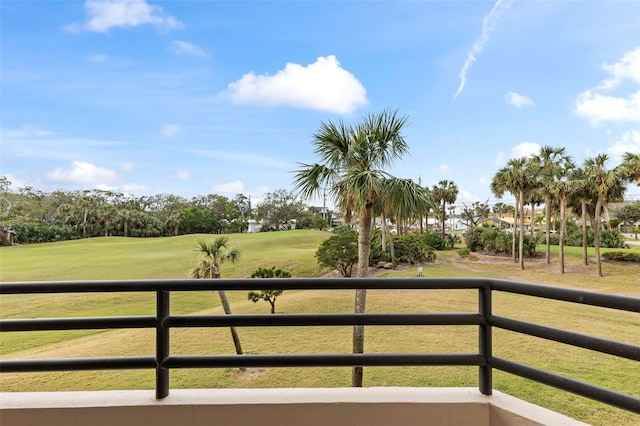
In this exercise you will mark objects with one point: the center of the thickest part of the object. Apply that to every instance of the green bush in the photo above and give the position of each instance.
(464, 252)
(412, 249)
(473, 239)
(624, 256)
(339, 252)
(612, 239)
(433, 240)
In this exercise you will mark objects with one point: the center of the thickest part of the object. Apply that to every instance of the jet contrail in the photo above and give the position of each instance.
(488, 24)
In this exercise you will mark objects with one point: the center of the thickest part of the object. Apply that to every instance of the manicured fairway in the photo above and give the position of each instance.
(118, 258)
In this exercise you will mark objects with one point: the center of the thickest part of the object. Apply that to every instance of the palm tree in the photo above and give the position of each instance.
(351, 168)
(106, 213)
(174, 221)
(607, 183)
(561, 188)
(445, 192)
(215, 254)
(630, 167)
(515, 178)
(85, 203)
(550, 161)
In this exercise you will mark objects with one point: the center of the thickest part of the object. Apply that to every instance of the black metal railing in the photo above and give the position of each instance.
(484, 359)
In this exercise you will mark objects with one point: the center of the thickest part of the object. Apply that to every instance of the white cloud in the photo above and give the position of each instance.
(323, 85)
(525, 149)
(126, 167)
(466, 196)
(489, 24)
(235, 187)
(83, 173)
(626, 68)
(98, 58)
(517, 100)
(628, 142)
(598, 107)
(170, 130)
(102, 15)
(179, 47)
(182, 175)
(444, 168)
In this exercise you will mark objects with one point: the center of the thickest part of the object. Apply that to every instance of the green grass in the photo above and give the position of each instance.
(118, 258)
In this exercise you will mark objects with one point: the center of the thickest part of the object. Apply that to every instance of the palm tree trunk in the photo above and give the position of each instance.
(364, 248)
(513, 233)
(547, 228)
(563, 228)
(521, 248)
(533, 217)
(227, 310)
(444, 203)
(596, 235)
(585, 240)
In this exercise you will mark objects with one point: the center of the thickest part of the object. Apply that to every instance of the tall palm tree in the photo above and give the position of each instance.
(515, 178)
(215, 254)
(351, 168)
(445, 192)
(85, 203)
(550, 162)
(630, 167)
(561, 188)
(106, 213)
(607, 183)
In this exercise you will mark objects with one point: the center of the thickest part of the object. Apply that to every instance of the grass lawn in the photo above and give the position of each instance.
(119, 258)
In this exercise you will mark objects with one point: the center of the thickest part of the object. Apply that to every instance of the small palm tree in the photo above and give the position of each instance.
(630, 167)
(215, 254)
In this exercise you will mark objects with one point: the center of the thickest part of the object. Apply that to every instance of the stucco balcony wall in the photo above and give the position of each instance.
(276, 407)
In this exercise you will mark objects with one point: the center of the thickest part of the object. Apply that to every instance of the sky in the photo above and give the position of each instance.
(197, 97)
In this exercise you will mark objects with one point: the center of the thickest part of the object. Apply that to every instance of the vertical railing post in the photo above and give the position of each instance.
(485, 341)
(162, 343)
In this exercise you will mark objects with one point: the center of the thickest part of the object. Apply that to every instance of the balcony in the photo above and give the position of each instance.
(388, 405)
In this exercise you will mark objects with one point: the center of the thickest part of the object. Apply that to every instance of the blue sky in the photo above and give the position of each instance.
(198, 97)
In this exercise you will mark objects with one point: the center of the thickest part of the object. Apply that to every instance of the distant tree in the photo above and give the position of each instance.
(628, 213)
(445, 192)
(216, 253)
(607, 183)
(105, 214)
(268, 295)
(630, 167)
(278, 208)
(474, 214)
(635, 230)
(339, 252)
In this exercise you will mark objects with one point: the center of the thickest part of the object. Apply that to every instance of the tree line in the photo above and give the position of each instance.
(36, 216)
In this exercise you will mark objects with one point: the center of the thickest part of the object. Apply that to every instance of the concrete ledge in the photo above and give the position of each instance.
(277, 407)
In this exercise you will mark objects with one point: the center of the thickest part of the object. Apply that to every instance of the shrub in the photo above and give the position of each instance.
(339, 252)
(624, 256)
(412, 249)
(612, 239)
(433, 240)
(464, 252)
(473, 239)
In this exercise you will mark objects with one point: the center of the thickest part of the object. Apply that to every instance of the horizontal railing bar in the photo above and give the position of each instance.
(611, 347)
(597, 393)
(77, 364)
(322, 360)
(84, 323)
(613, 301)
(242, 284)
(322, 320)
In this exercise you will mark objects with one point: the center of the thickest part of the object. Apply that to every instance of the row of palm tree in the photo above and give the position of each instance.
(553, 177)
